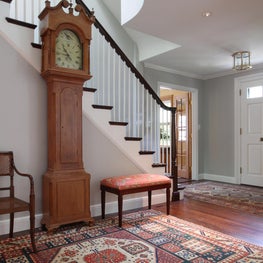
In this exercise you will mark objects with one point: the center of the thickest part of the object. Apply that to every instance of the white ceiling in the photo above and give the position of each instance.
(204, 44)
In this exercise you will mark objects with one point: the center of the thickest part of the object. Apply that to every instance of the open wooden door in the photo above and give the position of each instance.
(183, 134)
(183, 102)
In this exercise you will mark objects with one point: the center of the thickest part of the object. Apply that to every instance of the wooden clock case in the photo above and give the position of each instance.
(66, 185)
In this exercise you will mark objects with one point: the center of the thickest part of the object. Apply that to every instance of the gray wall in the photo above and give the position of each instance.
(219, 119)
(216, 119)
(218, 128)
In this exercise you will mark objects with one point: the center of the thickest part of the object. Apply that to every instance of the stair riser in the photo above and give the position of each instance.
(116, 134)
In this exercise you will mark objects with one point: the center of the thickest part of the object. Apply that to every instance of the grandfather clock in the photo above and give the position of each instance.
(66, 39)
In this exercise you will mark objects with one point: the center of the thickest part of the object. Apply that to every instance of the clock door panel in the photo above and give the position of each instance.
(71, 195)
(69, 123)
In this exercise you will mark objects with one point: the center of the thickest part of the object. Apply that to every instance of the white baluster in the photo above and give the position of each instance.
(119, 88)
(108, 67)
(138, 97)
(114, 84)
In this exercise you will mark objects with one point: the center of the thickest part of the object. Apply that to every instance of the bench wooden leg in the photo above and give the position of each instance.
(120, 201)
(149, 199)
(168, 201)
(102, 204)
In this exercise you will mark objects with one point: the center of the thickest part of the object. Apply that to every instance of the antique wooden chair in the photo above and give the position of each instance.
(9, 204)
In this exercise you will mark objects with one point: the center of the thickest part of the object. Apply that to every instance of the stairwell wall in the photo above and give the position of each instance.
(23, 118)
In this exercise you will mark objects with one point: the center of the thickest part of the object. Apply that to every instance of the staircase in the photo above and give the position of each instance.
(128, 117)
(116, 132)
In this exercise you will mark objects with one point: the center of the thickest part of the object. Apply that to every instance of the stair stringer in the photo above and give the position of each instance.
(100, 119)
(19, 38)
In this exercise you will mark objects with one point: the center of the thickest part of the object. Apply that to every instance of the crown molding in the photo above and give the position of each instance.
(201, 77)
(173, 71)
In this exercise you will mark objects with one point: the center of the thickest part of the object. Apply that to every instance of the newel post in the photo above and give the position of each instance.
(174, 174)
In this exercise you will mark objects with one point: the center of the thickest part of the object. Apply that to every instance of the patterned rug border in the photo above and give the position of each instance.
(75, 234)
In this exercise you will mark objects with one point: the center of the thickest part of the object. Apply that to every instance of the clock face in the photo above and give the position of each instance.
(68, 50)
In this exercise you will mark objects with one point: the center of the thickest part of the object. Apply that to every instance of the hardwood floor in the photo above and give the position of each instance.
(247, 227)
(244, 226)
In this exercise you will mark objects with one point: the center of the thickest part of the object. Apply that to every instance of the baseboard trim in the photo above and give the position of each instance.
(219, 178)
(129, 204)
(22, 223)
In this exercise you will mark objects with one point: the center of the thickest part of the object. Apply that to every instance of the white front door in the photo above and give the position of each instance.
(252, 133)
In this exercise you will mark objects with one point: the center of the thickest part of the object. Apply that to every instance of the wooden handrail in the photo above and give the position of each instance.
(129, 64)
(114, 45)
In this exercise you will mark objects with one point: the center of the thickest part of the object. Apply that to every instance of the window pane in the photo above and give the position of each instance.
(254, 92)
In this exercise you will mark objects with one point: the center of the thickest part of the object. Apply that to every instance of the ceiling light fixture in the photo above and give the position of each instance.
(241, 60)
(206, 14)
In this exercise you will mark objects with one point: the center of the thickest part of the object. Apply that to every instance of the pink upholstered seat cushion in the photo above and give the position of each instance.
(135, 181)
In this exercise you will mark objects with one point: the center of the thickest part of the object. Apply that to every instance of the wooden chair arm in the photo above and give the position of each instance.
(29, 176)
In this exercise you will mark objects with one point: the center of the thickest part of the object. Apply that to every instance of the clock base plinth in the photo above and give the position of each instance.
(66, 198)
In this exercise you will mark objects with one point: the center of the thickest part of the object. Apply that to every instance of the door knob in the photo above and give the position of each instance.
(261, 139)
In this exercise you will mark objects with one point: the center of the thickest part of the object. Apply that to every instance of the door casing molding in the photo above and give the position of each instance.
(195, 172)
(238, 82)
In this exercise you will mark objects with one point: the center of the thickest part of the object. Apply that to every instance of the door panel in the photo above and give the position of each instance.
(182, 135)
(252, 132)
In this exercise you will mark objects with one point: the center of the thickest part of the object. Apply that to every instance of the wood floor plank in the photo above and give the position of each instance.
(245, 226)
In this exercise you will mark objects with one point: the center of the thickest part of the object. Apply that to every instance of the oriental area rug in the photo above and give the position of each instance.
(244, 198)
(146, 236)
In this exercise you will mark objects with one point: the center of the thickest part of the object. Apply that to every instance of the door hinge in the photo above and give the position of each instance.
(240, 170)
(240, 131)
(240, 92)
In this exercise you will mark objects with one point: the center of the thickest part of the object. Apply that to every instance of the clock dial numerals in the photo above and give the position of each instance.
(68, 50)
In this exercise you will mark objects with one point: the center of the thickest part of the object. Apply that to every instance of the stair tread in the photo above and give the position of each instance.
(20, 23)
(158, 164)
(104, 107)
(146, 152)
(133, 138)
(89, 89)
(118, 123)
(36, 45)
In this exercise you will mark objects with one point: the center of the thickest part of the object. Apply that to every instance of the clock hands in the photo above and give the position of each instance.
(67, 53)
(68, 36)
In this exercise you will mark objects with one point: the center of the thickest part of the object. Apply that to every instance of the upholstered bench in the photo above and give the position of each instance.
(129, 184)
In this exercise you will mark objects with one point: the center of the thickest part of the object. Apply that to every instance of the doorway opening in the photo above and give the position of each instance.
(182, 100)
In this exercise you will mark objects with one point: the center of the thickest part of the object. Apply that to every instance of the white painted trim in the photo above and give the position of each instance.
(195, 123)
(219, 178)
(237, 123)
(128, 204)
(198, 76)
(238, 82)
(173, 71)
(22, 223)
